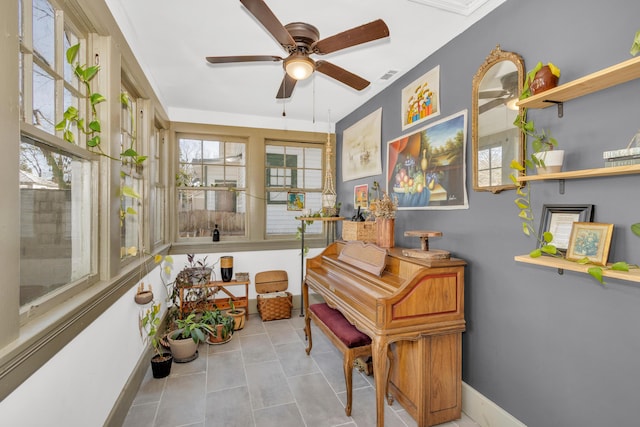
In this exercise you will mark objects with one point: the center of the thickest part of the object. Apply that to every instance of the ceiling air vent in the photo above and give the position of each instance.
(461, 7)
(389, 74)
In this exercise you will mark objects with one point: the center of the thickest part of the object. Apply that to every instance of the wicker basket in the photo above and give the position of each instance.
(276, 307)
(359, 230)
(274, 302)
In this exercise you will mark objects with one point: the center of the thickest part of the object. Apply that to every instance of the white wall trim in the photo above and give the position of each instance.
(484, 411)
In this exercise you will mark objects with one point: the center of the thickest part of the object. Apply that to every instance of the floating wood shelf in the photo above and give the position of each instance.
(603, 79)
(584, 173)
(562, 264)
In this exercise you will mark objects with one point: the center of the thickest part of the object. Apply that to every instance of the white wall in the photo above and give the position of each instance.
(80, 384)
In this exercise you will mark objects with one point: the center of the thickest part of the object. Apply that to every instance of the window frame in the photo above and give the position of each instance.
(26, 346)
(257, 238)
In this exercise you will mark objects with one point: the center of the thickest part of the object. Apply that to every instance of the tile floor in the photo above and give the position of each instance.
(263, 378)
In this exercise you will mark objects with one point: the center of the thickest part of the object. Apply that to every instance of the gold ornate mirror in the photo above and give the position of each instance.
(495, 140)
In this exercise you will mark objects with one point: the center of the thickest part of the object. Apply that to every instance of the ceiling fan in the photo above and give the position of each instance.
(502, 96)
(300, 40)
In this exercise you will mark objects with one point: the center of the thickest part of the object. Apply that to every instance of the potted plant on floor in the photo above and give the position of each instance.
(161, 360)
(184, 340)
(238, 315)
(220, 326)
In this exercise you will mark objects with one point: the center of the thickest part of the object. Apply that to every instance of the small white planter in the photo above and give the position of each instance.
(552, 159)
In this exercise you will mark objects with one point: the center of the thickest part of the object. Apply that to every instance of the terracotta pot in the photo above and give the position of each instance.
(543, 80)
(385, 231)
(217, 338)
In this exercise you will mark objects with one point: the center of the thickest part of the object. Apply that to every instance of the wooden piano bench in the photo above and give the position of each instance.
(347, 338)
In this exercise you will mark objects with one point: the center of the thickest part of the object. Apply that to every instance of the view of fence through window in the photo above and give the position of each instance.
(55, 220)
(211, 183)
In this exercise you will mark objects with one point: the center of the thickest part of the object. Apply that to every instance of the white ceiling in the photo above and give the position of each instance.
(172, 38)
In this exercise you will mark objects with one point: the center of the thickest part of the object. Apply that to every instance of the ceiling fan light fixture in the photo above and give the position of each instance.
(299, 66)
(512, 103)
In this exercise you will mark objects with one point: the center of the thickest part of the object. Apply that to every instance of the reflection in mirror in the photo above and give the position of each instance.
(495, 140)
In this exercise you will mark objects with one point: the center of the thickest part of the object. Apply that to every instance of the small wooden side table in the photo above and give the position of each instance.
(239, 301)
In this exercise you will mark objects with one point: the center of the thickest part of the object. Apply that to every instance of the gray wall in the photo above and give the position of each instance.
(553, 350)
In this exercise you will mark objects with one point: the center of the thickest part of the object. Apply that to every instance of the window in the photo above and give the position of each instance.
(211, 183)
(131, 180)
(158, 187)
(58, 201)
(490, 166)
(292, 168)
(56, 223)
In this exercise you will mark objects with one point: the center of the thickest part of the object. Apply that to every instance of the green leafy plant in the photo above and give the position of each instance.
(71, 116)
(190, 327)
(635, 46)
(541, 141)
(151, 324)
(215, 317)
(232, 307)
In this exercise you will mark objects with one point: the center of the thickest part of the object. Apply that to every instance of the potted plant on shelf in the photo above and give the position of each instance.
(196, 272)
(544, 157)
(238, 315)
(184, 340)
(384, 210)
(542, 144)
(161, 360)
(220, 326)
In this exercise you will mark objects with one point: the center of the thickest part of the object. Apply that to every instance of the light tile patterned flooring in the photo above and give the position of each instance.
(263, 378)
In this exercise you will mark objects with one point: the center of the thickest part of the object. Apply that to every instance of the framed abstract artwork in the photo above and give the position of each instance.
(421, 99)
(361, 144)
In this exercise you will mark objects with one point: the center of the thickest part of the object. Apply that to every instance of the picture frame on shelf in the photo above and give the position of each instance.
(558, 220)
(361, 196)
(590, 240)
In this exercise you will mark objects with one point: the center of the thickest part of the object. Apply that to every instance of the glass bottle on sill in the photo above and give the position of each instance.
(216, 233)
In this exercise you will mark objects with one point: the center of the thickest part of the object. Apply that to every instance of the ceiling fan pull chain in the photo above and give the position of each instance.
(313, 106)
(284, 90)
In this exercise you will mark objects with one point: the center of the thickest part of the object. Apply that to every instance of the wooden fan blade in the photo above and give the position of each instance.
(490, 94)
(261, 11)
(490, 105)
(286, 87)
(245, 58)
(341, 75)
(355, 36)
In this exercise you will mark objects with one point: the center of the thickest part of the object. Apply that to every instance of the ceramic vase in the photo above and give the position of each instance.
(385, 230)
(543, 80)
(553, 160)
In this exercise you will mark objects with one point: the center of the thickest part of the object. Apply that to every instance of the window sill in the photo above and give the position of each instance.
(43, 336)
(245, 246)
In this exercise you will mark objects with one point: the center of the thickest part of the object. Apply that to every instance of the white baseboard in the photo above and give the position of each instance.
(485, 412)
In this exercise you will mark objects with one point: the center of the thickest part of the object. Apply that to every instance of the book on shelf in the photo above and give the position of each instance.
(623, 152)
(622, 161)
